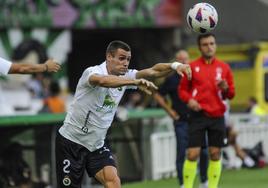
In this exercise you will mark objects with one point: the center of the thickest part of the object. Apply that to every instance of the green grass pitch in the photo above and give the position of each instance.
(245, 178)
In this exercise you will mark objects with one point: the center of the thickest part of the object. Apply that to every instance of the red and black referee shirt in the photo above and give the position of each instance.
(204, 86)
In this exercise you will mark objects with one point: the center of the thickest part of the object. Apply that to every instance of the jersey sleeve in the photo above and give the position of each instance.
(89, 72)
(131, 74)
(4, 66)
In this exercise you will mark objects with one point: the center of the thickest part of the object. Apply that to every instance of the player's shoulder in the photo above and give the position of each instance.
(96, 68)
(131, 71)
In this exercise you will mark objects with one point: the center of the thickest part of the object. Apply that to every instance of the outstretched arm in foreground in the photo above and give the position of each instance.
(27, 68)
(112, 81)
(164, 69)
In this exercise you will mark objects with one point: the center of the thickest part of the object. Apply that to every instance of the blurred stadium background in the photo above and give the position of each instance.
(76, 33)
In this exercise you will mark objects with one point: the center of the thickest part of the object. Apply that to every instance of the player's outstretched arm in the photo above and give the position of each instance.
(164, 69)
(112, 81)
(146, 86)
(28, 68)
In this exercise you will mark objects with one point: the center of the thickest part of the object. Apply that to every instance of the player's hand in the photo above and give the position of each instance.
(146, 86)
(174, 115)
(194, 105)
(185, 68)
(223, 85)
(52, 65)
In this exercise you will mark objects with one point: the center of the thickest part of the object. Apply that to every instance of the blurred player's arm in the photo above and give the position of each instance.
(112, 81)
(162, 102)
(28, 68)
(164, 69)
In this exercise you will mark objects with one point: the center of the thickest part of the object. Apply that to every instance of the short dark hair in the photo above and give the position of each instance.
(206, 35)
(116, 44)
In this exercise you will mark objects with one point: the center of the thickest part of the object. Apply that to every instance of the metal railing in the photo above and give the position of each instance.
(251, 130)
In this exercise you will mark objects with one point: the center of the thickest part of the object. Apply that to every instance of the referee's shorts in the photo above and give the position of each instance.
(201, 125)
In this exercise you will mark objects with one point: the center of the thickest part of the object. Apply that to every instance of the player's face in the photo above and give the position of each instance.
(118, 62)
(208, 47)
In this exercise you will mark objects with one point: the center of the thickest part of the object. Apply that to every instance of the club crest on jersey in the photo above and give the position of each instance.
(197, 69)
(107, 103)
(66, 181)
(218, 70)
(218, 73)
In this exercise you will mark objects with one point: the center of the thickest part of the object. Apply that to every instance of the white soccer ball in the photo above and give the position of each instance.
(202, 18)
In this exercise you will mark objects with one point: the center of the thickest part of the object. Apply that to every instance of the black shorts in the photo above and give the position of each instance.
(73, 159)
(200, 126)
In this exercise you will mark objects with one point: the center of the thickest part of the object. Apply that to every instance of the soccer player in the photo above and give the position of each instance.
(179, 113)
(212, 82)
(7, 67)
(80, 142)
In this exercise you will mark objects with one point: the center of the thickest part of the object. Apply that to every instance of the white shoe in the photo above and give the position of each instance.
(181, 186)
(249, 162)
(204, 185)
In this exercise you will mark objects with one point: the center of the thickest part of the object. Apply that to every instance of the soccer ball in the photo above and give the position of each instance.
(202, 18)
